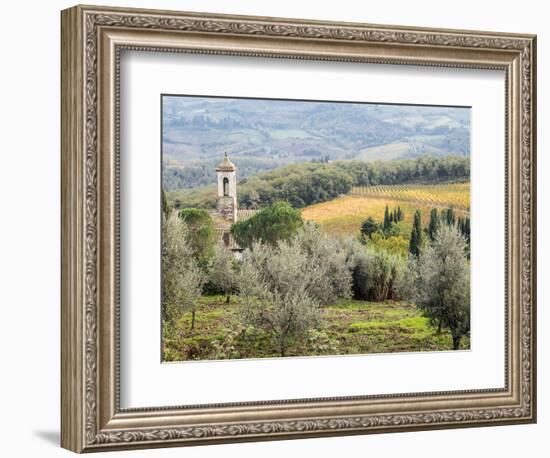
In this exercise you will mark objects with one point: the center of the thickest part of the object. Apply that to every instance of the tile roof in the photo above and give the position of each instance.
(226, 165)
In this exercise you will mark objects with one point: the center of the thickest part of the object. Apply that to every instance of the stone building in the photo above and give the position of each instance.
(227, 190)
(227, 212)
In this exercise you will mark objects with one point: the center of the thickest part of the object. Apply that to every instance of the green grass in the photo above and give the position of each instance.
(289, 133)
(351, 327)
(397, 150)
(384, 152)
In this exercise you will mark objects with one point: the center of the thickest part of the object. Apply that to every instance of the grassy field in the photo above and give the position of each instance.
(344, 215)
(396, 150)
(350, 327)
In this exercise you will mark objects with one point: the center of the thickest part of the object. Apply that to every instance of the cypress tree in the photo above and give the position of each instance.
(450, 217)
(387, 223)
(434, 223)
(165, 206)
(464, 227)
(416, 234)
(467, 229)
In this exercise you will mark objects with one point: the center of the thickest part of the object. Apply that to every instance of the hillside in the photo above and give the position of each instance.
(262, 135)
(456, 195)
(344, 215)
(311, 183)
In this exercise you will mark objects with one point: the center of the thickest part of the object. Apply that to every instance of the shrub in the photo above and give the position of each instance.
(369, 227)
(377, 274)
(403, 283)
(320, 343)
(393, 244)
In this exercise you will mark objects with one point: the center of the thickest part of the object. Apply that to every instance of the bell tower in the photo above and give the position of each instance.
(227, 189)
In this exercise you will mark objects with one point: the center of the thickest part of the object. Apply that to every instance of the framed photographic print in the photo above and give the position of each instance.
(277, 228)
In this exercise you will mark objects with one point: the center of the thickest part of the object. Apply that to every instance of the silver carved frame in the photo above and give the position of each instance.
(92, 40)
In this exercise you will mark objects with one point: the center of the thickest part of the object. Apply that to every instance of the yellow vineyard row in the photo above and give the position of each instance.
(455, 195)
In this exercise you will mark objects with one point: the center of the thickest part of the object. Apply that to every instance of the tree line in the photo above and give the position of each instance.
(310, 183)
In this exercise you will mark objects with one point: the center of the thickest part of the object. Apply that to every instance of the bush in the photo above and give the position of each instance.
(394, 244)
(378, 275)
(380, 270)
(369, 227)
(319, 343)
(403, 282)
(358, 264)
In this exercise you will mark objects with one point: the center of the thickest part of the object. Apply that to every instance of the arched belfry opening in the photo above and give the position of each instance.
(227, 189)
(226, 186)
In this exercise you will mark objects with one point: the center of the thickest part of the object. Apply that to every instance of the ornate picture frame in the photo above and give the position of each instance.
(92, 41)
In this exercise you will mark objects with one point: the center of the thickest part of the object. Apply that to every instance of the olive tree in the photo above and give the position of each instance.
(443, 282)
(403, 279)
(182, 278)
(275, 300)
(327, 275)
(222, 271)
(283, 287)
(309, 261)
(288, 318)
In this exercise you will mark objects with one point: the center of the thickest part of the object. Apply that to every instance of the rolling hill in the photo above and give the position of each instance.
(263, 134)
(344, 215)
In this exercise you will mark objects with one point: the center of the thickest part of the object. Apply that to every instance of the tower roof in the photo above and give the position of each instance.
(226, 165)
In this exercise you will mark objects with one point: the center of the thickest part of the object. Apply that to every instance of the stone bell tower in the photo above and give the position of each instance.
(227, 189)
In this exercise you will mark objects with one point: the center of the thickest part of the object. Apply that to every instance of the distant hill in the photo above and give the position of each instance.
(262, 135)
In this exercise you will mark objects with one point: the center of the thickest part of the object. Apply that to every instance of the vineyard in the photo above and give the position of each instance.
(456, 195)
(344, 215)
